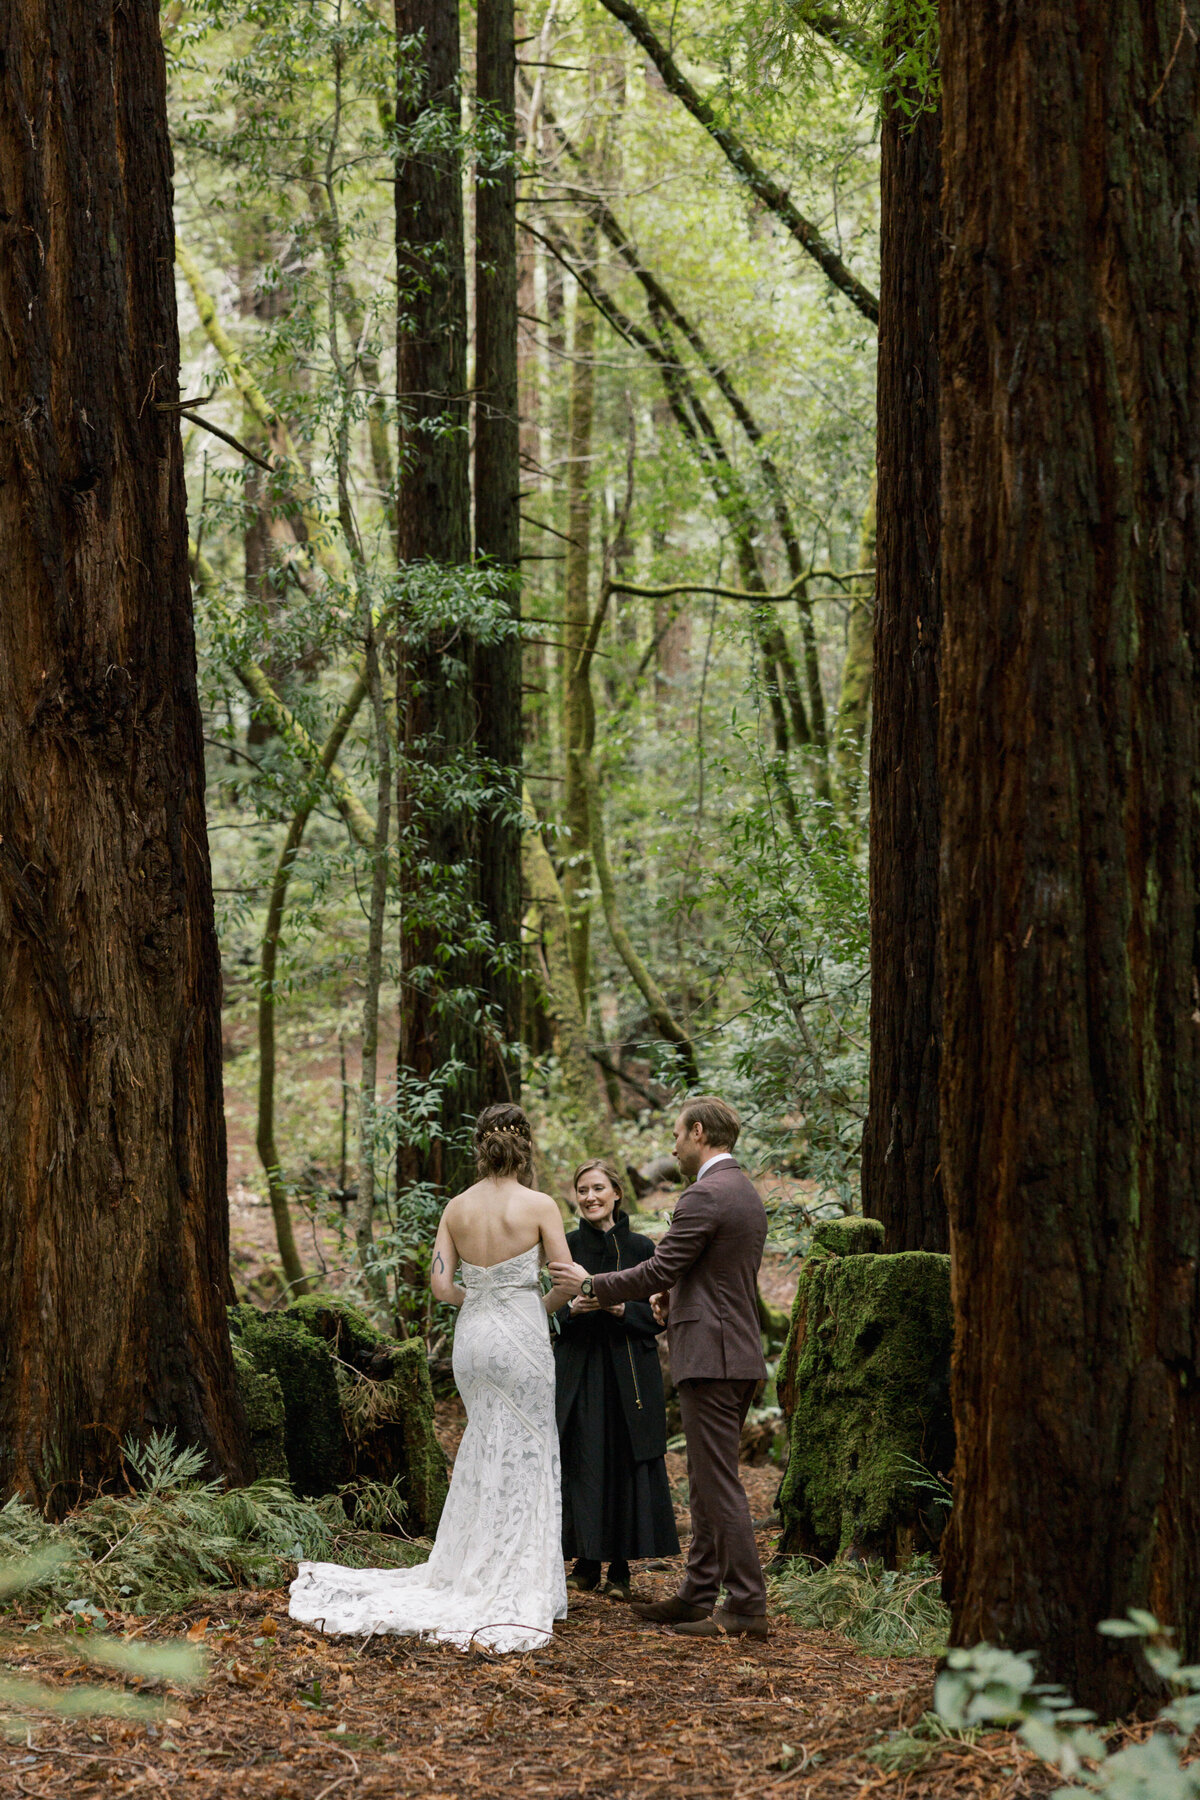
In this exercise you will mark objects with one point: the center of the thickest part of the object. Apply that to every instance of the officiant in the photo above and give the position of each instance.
(616, 1501)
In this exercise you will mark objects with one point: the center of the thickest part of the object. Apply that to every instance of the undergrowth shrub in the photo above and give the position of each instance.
(986, 1690)
(885, 1612)
(173, 1535)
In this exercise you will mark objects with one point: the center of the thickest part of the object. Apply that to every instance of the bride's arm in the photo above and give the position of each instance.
(554, 1249)
(442, 1268)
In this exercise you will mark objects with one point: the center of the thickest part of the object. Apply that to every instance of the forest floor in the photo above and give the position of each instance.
(611, 1710)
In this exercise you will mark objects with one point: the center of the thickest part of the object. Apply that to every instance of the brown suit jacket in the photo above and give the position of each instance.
(710, 1260)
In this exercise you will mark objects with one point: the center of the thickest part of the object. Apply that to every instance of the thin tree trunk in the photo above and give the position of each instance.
(364, 1208)
(578, 717)
(435, 702)
(582, 1089)
(497, 521)
(901, 1182)
(1069, 763)
(113, 1213)
(268, 1149)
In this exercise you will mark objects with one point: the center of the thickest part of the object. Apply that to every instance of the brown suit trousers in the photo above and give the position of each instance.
(722, 1551)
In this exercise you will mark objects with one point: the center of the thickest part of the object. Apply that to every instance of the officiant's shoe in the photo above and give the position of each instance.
(724, 1623)
(670, 1612)
(617, 1590)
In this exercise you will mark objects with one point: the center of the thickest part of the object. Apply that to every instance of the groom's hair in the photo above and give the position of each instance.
(717, 1118)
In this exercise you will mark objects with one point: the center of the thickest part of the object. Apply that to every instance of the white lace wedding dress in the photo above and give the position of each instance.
(495, 1576)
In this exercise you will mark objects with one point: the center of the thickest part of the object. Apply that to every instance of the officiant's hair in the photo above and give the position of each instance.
(720, 1122)
(503, 1143)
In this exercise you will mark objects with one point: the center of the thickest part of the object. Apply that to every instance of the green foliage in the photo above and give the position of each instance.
(798, 1048)
(884, 1612)
(891, 44)
(284, 129)
(991, 1687)
(174, 1535)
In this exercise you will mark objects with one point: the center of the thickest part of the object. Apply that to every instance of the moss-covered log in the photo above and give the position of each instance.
(262, 1402)
(355, 1404)
(851, 1236)
(864, 1383)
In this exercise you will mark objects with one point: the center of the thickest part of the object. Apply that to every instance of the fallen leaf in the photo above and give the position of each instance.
(197, 1631)
(248, 1677)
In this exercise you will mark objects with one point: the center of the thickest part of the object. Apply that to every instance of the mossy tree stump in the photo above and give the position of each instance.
(865, 1384)
(352, 1403)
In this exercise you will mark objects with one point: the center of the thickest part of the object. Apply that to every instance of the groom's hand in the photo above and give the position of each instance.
(569, 1276)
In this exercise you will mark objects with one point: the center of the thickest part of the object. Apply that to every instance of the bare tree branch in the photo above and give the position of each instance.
(761, 185)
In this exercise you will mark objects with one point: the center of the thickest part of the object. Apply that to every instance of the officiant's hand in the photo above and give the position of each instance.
(580, 1305)
(658, 1306)
(569, 1276)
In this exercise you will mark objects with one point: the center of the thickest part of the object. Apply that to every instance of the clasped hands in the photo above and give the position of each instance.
(572, 1275)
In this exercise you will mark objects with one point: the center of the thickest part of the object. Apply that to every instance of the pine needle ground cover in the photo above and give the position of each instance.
(610, 1711)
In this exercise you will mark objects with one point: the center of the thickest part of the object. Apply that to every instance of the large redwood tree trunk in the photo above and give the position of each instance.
(1070, 1092)
(438, 833)
(113, 1219)
(497, 518)
(901, 1181)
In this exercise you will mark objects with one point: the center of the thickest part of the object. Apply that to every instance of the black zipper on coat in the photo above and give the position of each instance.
(637, 1392)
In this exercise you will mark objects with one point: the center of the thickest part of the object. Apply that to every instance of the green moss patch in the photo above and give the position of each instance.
(262, 1400)
(357, 1406)
(851, 1236)
(865, 1383)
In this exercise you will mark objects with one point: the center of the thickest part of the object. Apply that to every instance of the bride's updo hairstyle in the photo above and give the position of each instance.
(503, 1143)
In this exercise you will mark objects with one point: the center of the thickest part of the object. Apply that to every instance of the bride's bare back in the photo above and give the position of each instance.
(490, 1222)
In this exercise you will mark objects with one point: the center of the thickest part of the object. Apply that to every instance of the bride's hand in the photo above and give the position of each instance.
(580, 1305)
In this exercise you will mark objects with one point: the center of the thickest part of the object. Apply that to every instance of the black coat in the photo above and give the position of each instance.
(628, 1341)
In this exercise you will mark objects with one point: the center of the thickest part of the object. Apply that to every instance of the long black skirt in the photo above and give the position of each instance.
(613, 1508)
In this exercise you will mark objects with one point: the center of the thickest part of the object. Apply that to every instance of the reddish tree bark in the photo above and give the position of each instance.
(1070, 1088)
(113, 1218)
(497, 518)
(901, 1183)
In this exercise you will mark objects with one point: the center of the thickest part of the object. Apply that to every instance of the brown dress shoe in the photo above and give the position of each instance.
(724, 1623)
(670, 1612)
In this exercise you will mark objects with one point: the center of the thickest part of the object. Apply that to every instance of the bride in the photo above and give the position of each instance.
(495, 1575)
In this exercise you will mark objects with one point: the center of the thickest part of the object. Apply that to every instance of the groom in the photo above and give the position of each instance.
(710, 1259)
